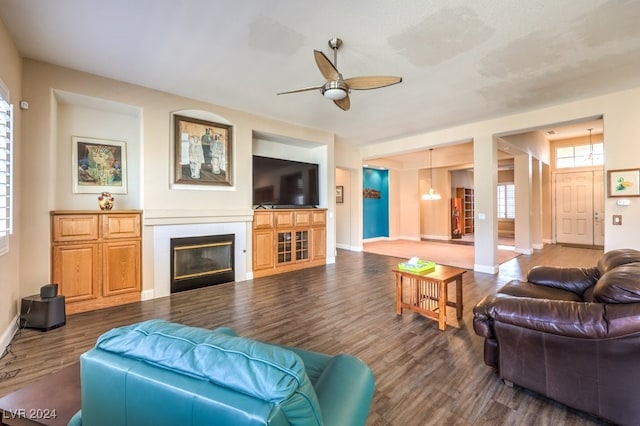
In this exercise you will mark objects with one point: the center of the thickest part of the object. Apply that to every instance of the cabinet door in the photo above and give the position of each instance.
(302, 245)
(319, 241)
(285, 247)
(121, 226)
(263, 250)
(120, 267)
(76, 270)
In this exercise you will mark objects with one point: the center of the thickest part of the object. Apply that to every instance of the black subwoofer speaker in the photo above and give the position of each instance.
(42, 313)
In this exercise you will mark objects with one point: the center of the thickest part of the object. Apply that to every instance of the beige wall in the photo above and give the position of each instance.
(621, 113)
(406, 210)
(435, 214)
(343, 210)
(65, 102)
(10, 278)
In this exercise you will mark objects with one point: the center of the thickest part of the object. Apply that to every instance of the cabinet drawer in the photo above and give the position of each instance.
(75, 228)
(302, 218)
(262, 220)
(284, 219)
(319, 218)
(121, 226)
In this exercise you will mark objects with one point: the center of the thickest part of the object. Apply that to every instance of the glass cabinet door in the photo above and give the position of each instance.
(284, 247)
(302, 245)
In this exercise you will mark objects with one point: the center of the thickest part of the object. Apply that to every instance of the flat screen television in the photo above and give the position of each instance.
(284, 183)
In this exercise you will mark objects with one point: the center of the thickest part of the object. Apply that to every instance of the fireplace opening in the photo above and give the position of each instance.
(201, 261)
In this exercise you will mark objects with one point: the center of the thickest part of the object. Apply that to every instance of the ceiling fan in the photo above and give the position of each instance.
(337, 88)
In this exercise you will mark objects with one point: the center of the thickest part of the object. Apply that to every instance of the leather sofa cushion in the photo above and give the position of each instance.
(268, 372)
(527, 289)
(576, 280)
(614, 258)
(619, 285)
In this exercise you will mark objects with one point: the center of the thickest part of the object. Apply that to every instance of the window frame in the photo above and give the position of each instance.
(508, 207)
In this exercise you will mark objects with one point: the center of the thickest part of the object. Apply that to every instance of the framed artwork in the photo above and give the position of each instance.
(340, 194)
(624, 183)
(99, 165)
(202, 152)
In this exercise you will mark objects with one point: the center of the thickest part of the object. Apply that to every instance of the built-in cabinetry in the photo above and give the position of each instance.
(288, 239)
(467, 213)
(96, 257)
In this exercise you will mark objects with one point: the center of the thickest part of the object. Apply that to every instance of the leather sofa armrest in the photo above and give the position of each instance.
(482, 320)
(576, 280)
(345, 391)
(560, 317)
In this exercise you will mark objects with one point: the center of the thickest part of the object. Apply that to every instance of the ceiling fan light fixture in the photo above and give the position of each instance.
(335, 94)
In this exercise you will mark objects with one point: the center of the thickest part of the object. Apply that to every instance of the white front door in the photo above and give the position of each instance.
(598, 208)
(579, 208)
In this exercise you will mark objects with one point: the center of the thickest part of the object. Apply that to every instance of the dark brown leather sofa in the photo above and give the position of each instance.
(571, 334)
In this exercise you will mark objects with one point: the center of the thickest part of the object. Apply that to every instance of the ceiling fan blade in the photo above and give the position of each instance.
(304, 89)
(325, 66)
(343, 103)
(372, 82)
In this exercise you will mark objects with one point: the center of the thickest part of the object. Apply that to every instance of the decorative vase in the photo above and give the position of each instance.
(105, 201)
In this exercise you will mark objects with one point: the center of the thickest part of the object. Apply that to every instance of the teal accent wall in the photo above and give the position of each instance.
(375, 210)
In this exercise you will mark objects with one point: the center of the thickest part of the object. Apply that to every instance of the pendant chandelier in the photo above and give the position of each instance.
(431, 194)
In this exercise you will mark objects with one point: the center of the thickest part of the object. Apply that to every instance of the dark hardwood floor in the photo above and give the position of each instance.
(423, 375)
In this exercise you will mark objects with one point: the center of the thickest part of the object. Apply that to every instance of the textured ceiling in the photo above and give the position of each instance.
(461, 61)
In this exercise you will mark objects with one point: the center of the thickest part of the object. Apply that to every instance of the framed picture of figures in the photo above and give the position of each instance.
(202, 152)
(99, 165)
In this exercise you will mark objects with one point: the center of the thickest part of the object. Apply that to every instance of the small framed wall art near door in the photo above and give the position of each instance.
(623, 183)
(340, 194)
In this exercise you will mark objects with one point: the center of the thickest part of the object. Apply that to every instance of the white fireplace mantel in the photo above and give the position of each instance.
(168, 224)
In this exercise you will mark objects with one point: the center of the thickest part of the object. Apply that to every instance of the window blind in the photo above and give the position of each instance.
(6, 168)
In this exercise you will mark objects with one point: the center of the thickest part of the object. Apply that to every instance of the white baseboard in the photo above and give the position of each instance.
(146, 295)
(409, 238)
(8, 334)
(435, 237)
(348, 247)
(523, 250)
(370, 240)
(538, 246)
(331, 260)
(486, 269)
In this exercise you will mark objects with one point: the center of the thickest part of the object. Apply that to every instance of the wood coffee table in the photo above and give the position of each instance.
(51, 400)
(428, 292)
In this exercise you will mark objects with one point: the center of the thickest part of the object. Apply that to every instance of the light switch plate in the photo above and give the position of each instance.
(617, 219)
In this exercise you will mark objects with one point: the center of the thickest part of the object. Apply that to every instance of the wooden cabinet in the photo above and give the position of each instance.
(467, 214)
(96, 258)
(286, 240)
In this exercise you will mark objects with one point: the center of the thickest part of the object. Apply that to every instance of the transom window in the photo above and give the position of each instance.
(6, 169)
(506, 201)
(580, 156)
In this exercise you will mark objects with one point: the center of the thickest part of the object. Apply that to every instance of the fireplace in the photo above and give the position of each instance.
(201, 261)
